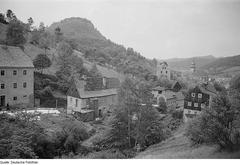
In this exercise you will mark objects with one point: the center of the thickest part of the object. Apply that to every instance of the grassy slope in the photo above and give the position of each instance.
(179, 147)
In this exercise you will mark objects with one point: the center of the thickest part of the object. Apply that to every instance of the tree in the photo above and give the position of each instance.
(135, 121)
(44, 41)
(10, 16)
(42, 62)
(217, 125)
(58, 34)
(3, 19)
(94, 79)
(41, 27)
(15, 33)
(162, 105)
(30, 23)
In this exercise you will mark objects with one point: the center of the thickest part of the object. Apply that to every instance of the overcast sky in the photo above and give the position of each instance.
(156, 28)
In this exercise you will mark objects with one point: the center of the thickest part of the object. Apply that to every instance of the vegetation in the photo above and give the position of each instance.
(136, 122)
(23, 137)
(42, 62)
(220, 124)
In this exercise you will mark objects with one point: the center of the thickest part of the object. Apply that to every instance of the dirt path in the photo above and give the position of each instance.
(179, 147)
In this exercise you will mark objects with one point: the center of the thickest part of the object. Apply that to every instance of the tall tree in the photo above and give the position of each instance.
(10, 15)
(58, 34)
(30, 23)
(42, 62)
(16, 33)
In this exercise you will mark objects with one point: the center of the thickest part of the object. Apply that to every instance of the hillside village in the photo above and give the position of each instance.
(76, 94)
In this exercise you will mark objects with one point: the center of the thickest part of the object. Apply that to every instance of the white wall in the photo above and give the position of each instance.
(71, 104)
(22, 94)
(189, 111)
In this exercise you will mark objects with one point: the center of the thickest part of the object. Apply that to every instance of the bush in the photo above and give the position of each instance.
(217, 125)
(177, 114)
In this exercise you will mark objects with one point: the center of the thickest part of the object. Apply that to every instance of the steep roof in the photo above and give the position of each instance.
(90, 94)
(11, 56)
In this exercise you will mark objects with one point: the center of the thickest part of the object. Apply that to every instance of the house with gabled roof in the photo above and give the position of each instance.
(197, 99)
(172, 96)
(16, 77)
(89, 105)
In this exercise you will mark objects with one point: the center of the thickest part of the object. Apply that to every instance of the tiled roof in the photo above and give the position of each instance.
(90, 94)
(11, 56)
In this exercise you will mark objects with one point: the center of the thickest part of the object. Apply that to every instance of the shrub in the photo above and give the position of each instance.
(217, 125)
(177, 114)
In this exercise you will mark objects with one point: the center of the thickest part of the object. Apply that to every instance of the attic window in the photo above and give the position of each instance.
(199, 95)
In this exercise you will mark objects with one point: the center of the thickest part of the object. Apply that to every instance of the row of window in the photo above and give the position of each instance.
(195, 104)
(15, 97)
(14, 85)
(165, 71)
(199, 95)
(14, 72)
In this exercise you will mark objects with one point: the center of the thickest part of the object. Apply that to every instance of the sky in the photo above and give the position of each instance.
(159, 29)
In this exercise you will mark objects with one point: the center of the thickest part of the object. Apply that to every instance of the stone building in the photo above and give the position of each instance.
(16, 77)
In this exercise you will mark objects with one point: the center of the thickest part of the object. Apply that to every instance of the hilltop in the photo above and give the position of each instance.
(96, 48)
(184, 63)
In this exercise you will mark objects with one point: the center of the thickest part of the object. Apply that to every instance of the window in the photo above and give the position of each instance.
(14, 85)
(70, 100)
(193, 94)
(202, 105)
(195, 104)
(189, 103)
(195, 112)
(2, 72)
(24, 96)
(166, 71)
(2, 86)
(24, 72)
(76, 103)
(24, 85)
(15, 72)
(199, 95)
(15, 98)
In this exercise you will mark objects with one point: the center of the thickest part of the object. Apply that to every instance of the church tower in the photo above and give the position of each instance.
(193, 67)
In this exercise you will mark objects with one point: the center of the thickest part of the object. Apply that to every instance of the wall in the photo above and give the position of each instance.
(71, 104)
(23, 95)
(189, 111)
(163, 71)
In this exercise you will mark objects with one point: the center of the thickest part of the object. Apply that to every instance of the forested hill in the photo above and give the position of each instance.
(225, 64)
(96, 48)
(185, 63)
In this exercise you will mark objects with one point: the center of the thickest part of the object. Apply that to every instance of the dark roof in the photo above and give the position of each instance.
(90, 94)
(11, 56)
